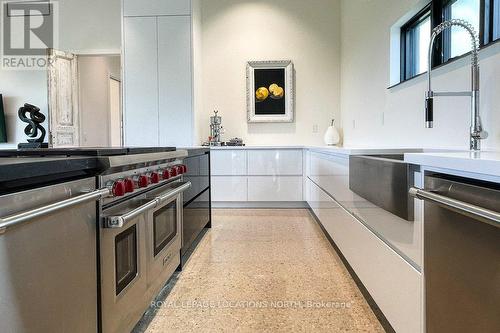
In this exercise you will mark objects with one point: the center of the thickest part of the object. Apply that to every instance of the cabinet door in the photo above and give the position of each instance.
(228, 162)
(175, 81)
(227, 189)
(140, 109)
(283, 162)
(269, 188)
(156, 7)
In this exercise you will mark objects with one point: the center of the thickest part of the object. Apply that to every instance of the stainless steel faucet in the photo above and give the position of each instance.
(476, 129)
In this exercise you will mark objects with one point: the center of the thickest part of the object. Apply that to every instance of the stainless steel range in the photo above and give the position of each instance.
(101, 226)
(140, 232)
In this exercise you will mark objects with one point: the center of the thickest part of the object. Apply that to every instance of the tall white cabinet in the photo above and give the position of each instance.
(157, 73)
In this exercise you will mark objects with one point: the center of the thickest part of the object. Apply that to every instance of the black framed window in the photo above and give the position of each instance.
(456, 41)
(496, 19)
(453, 43)
(415, 38)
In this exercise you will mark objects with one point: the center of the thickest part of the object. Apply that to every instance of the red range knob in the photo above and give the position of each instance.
(184, 168)
(180, 169)
(173, 171)
(143, 181)
(129, 185)
(119, 188)
(155, 178)
(166, 174)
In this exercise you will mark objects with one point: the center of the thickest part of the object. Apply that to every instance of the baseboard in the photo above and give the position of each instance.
(260, 204)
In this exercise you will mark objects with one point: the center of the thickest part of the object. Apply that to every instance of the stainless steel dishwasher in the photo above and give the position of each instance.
(461, 254)
(48, 277)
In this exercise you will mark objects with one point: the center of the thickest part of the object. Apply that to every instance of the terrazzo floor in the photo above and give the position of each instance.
(262, 271)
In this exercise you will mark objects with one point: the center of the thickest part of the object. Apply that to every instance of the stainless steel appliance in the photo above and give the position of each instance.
(48, 269)
(461, 254)
(216, 129)
(140, 232)
(197, 207)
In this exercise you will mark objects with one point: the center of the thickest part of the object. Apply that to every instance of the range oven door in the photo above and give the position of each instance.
(123, 270)
(164, 232)
(140, 243)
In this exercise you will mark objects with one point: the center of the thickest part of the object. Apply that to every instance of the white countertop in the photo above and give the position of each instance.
(327, 149)
(484, 162)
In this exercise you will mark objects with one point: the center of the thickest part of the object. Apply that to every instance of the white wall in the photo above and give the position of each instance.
(93, 83)
(90, 25)
(236, 31)
(84, 27)
(373, 115)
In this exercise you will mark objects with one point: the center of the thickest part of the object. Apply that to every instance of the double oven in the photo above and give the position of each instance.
(140, 241)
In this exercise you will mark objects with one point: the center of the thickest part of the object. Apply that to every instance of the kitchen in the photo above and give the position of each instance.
(338, 186)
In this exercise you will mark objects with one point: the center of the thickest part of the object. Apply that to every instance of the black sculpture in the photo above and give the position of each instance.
(31, 130)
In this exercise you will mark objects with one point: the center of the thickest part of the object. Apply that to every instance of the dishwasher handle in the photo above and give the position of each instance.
(483, 214)
(119, 221)
(27, 216)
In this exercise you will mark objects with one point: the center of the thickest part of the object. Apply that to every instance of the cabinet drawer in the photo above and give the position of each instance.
(275, 162)
(156, 7)
(393, 283)
(331, 165)
(285, 188)
(229, 162)
(332, 173)
(229, 188)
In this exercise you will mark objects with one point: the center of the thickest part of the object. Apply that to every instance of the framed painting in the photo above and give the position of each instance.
(270, 91)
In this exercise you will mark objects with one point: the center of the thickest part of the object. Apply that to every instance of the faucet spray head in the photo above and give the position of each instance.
(429, 110)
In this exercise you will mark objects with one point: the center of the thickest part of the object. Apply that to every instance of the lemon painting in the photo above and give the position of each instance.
(269, 91)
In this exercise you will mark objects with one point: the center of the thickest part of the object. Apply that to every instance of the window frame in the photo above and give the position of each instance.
(441, 49)
(489, 22)
(408, 65)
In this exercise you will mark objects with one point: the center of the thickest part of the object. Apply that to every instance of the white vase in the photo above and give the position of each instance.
(332, 136)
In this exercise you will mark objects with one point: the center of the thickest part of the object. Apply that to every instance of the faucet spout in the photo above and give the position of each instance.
(476, 129)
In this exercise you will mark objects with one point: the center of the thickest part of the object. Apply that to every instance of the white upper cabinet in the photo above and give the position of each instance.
(175, 81)
(156, 7)
(157, 73)
(283, 162)
(140, 74)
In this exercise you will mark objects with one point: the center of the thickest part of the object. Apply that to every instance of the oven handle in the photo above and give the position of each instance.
(27, 216)
(119, 221)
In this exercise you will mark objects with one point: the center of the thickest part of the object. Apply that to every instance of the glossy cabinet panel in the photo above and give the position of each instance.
(196, 217)
(331, 173)
(156, 7)
(283, 162)
(140, 88)
(197, 174)
(392, 282)
(175, 81)
(269, 188)
(229, 162)
(229, 188)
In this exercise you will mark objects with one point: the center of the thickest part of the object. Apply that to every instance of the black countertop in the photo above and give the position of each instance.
(19, 173)
(195, 151)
